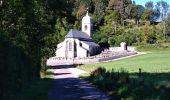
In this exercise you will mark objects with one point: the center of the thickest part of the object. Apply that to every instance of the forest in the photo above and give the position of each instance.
(31, 29)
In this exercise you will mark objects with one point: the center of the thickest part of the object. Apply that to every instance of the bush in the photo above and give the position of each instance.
(109, 81)
(125, 86)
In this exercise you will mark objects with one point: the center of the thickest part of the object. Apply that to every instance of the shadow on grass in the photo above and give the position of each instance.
(134, 86)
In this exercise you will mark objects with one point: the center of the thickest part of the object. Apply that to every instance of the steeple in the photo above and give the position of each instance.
(87, 12)
(87, 24)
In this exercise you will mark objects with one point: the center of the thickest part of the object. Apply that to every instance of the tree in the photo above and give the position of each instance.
(147, 14)
(163, 7)
(149, 5)
(99, 12)
(31, 24)
(80, 7)
(61, 29)
(137, 12)
(121, 6)
(168, 25)
(155, 15)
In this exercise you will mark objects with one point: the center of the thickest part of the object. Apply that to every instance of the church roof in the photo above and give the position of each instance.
(78, 35)
(90, 43)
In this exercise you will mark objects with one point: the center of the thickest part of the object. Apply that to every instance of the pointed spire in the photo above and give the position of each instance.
(87, 14)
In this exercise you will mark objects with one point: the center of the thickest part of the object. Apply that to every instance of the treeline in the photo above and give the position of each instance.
(120, 20)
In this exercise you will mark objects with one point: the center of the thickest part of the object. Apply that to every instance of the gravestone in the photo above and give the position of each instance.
(123, 46)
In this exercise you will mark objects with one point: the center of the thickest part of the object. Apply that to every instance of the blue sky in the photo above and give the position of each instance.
(142, 2)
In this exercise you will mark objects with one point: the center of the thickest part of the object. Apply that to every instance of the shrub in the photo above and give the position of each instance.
(131, 86)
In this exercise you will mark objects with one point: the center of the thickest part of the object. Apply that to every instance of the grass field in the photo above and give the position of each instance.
(152, 84)
(155, 61)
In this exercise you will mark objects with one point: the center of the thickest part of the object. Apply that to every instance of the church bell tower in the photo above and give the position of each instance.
(87, 24)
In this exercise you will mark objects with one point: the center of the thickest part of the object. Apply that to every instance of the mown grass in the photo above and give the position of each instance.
(37, 91)
(123, 79)
(155, 61)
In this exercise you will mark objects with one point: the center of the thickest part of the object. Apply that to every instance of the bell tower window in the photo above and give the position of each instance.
(85, 27)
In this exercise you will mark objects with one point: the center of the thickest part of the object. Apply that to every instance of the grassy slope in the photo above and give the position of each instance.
(155, 61)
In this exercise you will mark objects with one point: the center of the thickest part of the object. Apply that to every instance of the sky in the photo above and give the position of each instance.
(142, 2)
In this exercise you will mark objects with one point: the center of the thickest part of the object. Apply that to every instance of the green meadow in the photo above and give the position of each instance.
(154, 61)
(122, 79)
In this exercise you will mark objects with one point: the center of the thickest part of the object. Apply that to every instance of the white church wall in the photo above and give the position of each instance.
(84, 45)
(81, 52)
(60, 48)
(86, 27)
(60, 52)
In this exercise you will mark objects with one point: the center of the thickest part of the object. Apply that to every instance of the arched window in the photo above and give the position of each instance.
(85, 27)
(70, 46)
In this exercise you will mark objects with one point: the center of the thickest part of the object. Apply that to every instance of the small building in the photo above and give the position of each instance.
(78, 43)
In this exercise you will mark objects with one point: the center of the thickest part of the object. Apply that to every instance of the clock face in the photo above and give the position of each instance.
(85, 27)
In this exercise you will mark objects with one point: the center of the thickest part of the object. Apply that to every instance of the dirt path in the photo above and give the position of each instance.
(67, 86)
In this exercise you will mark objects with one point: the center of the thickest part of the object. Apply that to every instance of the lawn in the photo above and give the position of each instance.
(153, 83)
(155, 61)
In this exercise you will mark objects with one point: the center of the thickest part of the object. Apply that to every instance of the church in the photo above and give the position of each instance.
(79, 44)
